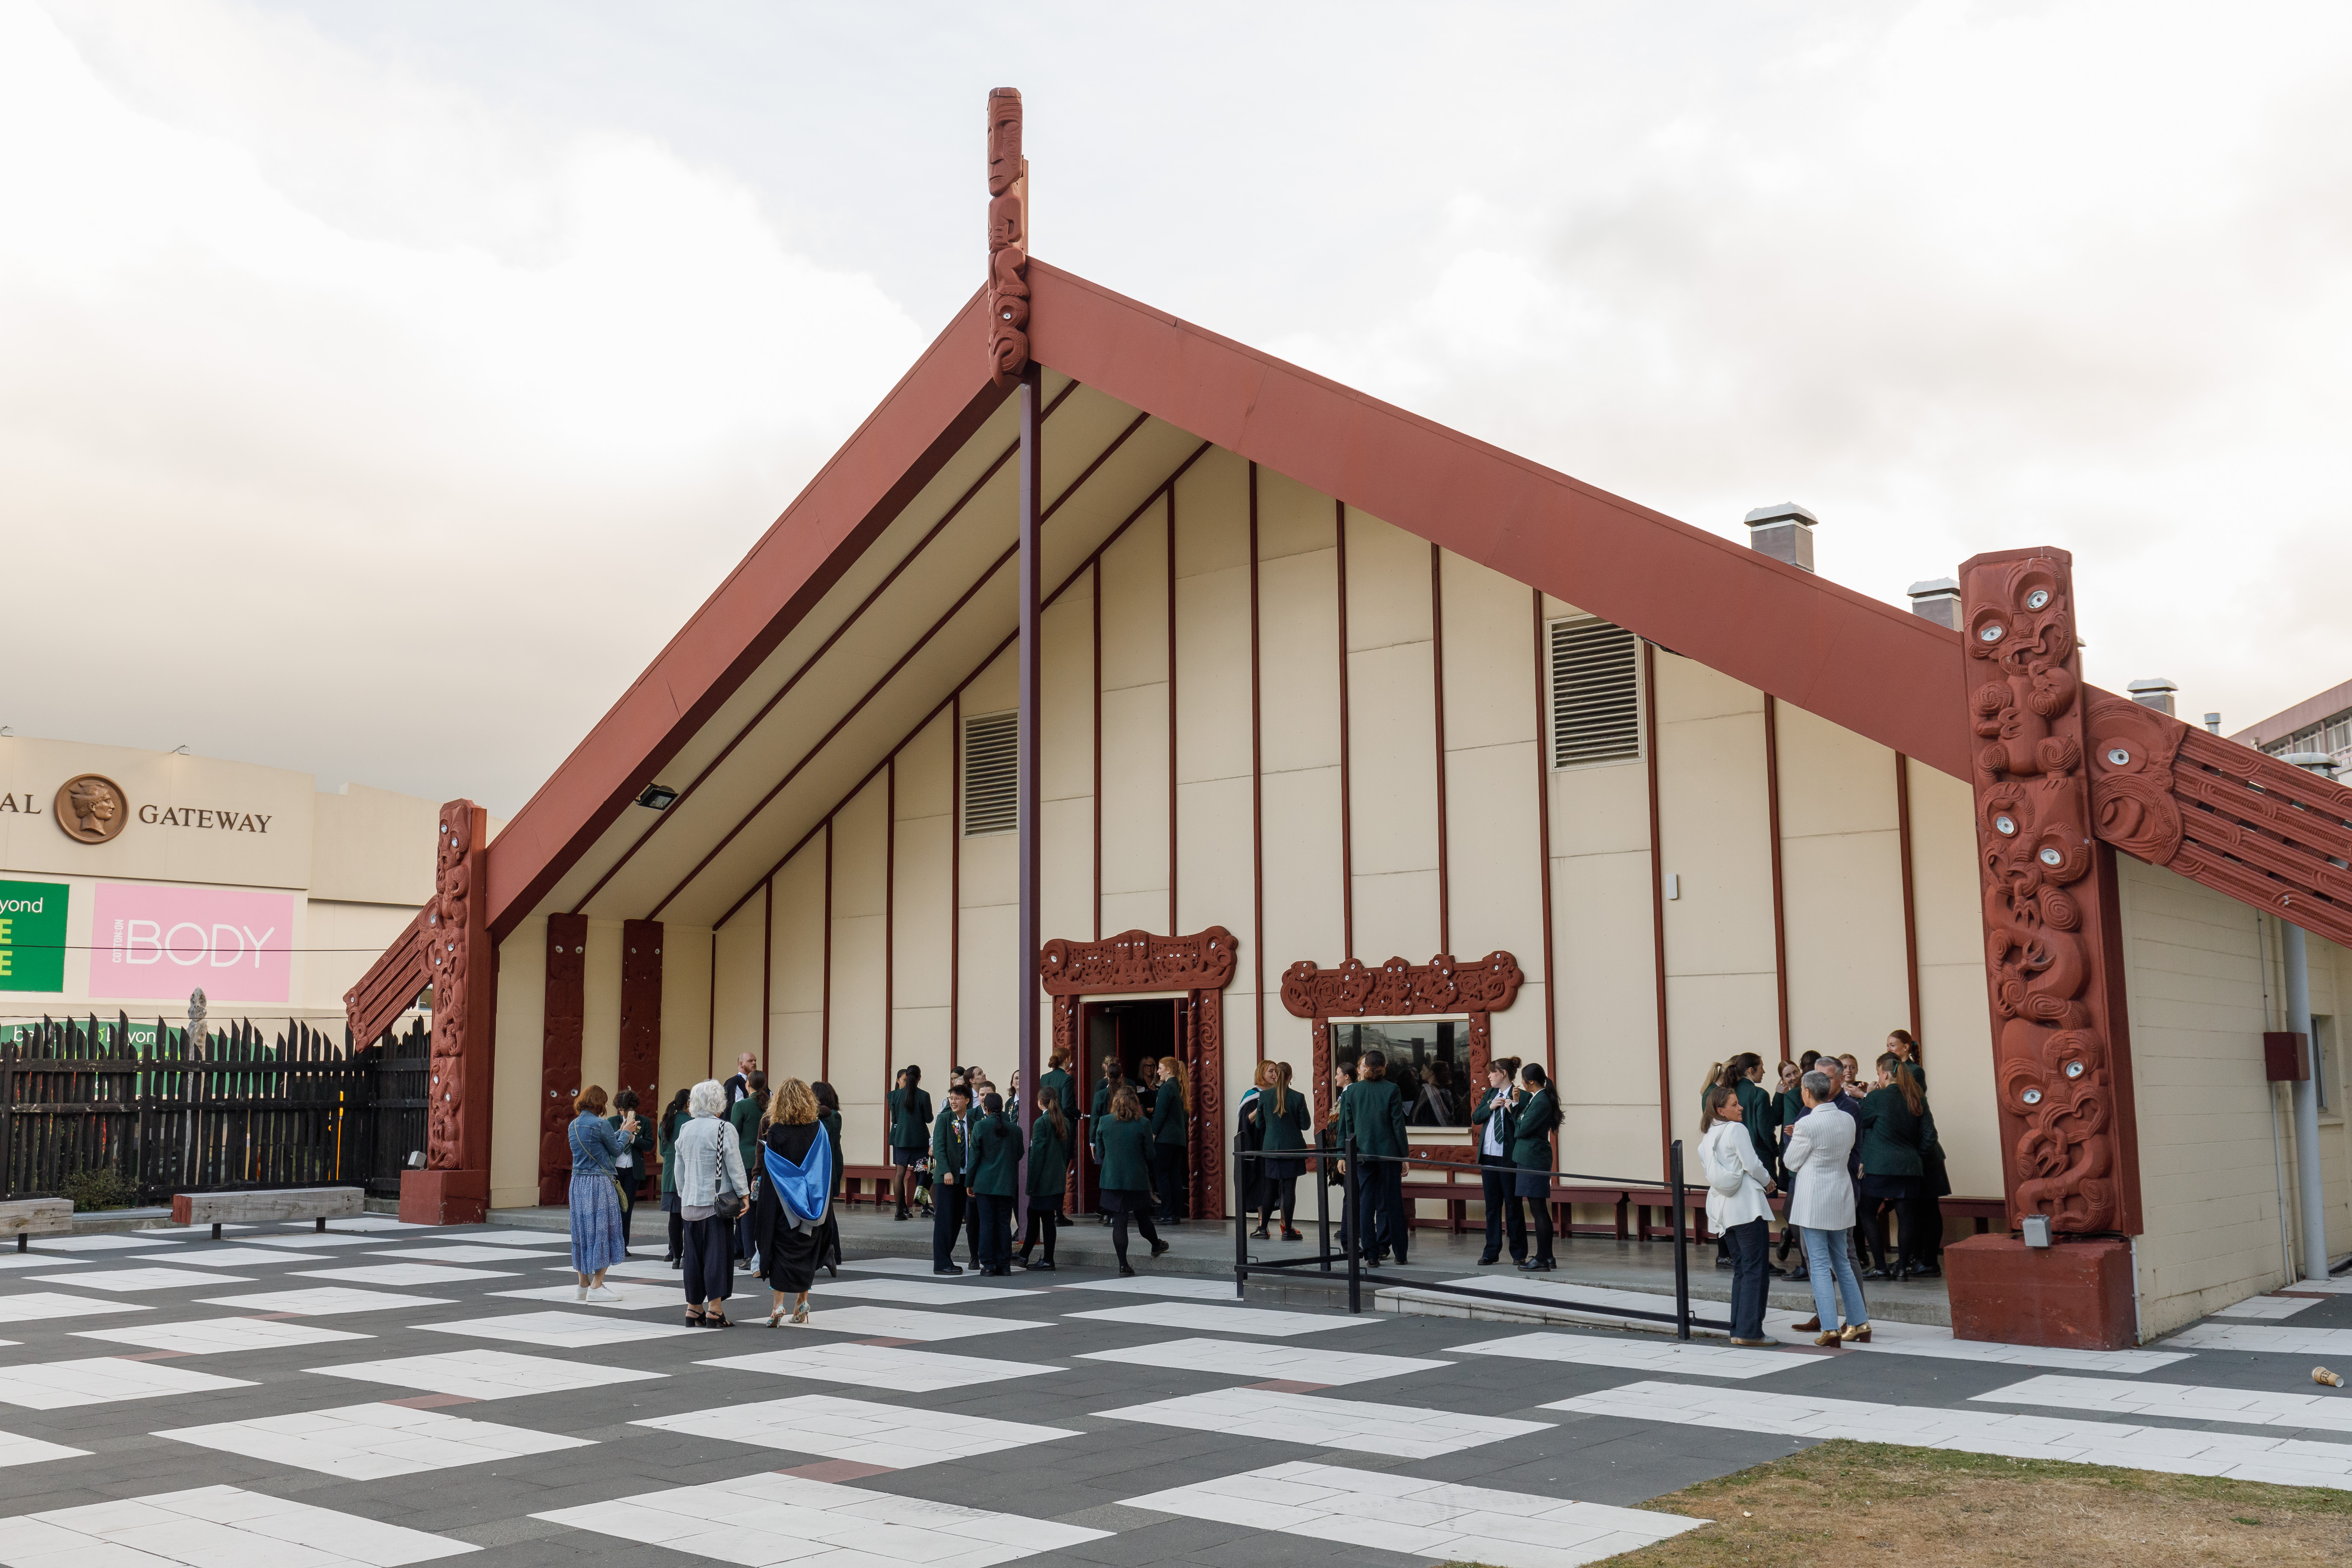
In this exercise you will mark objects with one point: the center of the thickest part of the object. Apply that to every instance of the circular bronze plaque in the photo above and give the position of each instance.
(92, 808)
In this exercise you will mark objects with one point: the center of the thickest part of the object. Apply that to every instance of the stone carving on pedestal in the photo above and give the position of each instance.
(2053, 954)
(454, 940)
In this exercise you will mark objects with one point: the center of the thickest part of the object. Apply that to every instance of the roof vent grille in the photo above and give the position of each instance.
(1596, 708)
(992, 796)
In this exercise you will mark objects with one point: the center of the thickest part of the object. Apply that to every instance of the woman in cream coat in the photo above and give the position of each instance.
(1821, 1205)
(1738, 1208)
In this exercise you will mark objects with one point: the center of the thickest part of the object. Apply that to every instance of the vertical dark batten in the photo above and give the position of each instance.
(1026, 771)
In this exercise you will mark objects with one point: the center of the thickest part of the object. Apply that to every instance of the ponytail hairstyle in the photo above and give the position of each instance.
(1714, 1076)
(1736, 1070)
(756, 1087)
(1175, 1071)
(1282, 1091)
(1053, 1114)
(1906, 1079)
(676, 1113)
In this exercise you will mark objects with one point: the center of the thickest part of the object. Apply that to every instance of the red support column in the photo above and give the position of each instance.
(641, 1003)
(559, 1055)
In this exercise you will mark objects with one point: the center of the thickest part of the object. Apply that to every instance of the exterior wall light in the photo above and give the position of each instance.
(657, 796)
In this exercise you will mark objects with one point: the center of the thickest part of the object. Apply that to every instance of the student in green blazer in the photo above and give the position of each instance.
(1122, 1147)
(1049, 1172)
(995, 1179)
(910, 1134)
(745, 1115)
(1499, 1172)
(1896, 1129)
(1532, 1122)
(1057, 1082)
(630, 1173)
(672, 1118)
(951, 1144)
(828, 1238)
(1372, 1123)
(1170, 1131)
(1283, 1117)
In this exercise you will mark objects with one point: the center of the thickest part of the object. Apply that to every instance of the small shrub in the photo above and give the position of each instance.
(104, 1189)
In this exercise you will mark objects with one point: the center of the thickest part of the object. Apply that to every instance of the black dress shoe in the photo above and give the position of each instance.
(1045, 1266)
(1127, 1270)
(1489, 1259)
(947, 1268)
(1527, 1266)
(1157, 1247)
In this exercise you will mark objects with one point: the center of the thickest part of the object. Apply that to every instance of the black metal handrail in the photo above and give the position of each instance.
(1350, 1251)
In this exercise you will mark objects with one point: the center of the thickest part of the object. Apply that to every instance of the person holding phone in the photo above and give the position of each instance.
(599, 1234)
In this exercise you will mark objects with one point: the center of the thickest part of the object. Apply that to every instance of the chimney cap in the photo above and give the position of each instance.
(2153, 683)
(1932, 586)
(1785, 512)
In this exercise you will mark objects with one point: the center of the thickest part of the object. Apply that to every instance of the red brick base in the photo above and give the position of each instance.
(445, 1197)
(2076, 1295)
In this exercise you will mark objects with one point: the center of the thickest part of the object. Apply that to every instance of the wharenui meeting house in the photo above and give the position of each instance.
(1120, 687)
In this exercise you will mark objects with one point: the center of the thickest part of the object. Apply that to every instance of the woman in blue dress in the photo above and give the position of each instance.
(598, 1238)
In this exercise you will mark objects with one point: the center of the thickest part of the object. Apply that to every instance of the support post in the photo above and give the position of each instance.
(1032, 570)
(2310, 1198)
(1682, 1251)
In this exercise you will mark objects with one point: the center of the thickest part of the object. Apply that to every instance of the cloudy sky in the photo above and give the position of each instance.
(348, 350)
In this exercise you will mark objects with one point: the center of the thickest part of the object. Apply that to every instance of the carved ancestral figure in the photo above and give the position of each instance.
(445, 961)
(2034, 842)
(1008, 238)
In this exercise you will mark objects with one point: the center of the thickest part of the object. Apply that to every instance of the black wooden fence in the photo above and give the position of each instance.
(233, 1108)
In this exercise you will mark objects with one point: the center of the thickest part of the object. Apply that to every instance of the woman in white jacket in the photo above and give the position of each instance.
(1821, 1205)
(1738, 1188)
(710, 1165)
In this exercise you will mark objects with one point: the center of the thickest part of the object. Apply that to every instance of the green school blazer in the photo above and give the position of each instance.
(1891, 1136)
(949, 1152)
(1123, 1149)
(831, 1120)
(910, 1118)
(1053, 1080)
(744, 1115)
(1531, 1130)
(1761, 1109)
(1279, 1131)
(641, 1144)
(1049, 1161)
(1168, 1118)
(1100, 1109)
(1373, 1113)
(666, 1147)
(995, 1157)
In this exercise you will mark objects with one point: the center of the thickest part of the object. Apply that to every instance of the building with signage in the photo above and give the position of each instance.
(1121, 687)
(130, 879)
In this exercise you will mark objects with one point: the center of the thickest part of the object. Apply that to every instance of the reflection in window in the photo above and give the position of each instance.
(1428, 1061)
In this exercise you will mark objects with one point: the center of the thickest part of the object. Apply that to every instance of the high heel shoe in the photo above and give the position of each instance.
(1260, 1234)
(800, 1313)
(1290, 1234)
(1855, 1333)
(1829, 1339)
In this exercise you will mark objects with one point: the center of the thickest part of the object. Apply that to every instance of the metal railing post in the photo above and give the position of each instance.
(1351, 1223)
(1682, 1251)
(1241, 1225)
(1323, 1207)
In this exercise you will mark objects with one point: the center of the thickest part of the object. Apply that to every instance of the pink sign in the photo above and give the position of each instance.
(152, 941)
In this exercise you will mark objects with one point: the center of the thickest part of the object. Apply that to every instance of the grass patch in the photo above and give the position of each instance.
(1927, 1508)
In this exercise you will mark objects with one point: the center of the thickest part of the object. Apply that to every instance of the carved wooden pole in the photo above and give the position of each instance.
(1008, 262)
(2053, 959)
(1008, 238)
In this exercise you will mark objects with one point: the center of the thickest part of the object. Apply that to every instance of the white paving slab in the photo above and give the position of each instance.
(1287, 1363)
(212, 1526)
(2267, 1309)
(2263, 1337)
(880, 1366)
(43, 1306)
(916, 1292)
(224, 1257)
(1184, 1286)
(141, 1279)
(894, 1437)
(1644, 1354)
(1200, 1317)
(375, 1223)
(102, 1380)
(457, 1252)
(626, 1295)
(2178, 1402)
(109, 1241)
(1384, 1510)
(1319, 1421)
(911, 1267)
(30, 1260)
(556, 1238)
(2338, 1286)
(2180, 1450)
(561, 1330)
(307, 1238)
(652, 1269)
(486, 1375)
(373, 1442)
(906, 1323)
(322, 1300)
(1930, 1340)
(215, 1336)
(768, 1519)
(404, 1274)
(16, 1450)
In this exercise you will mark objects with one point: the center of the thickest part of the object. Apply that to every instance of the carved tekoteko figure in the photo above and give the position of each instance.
(1008, 238)
(2055, 1010)
(449, 931)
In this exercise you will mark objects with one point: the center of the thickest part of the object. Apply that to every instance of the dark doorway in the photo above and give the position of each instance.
(1135, 1034)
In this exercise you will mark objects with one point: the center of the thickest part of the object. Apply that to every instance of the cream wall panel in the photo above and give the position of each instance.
(1212, 515)
(1494, 854)
(600, 1022)
(1387, 585)
(988, 1028)
(1298, 658)
(1146, 911)
(1066, 870)
(926, 850)
(1135, 792)
(1135, 604)
(1213, 685)
(2209, 1174)
(1722, 990)
(1490, 659)
(1396, 916)
(997, 689)
(1841, 889)
(520, 1037)
(1292, 520)
(854, 1068)
(796, 967)
(736, 1025)
(685, 1013)
(1392, 761)
(1955, 1020)
(1066, 737)
(1302, 916)
(1602, 809)
(1607, 1011)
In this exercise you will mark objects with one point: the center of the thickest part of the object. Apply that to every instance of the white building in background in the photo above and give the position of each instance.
(2321, 724)
(129, 879)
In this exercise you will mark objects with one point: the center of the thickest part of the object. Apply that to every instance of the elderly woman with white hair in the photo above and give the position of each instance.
(712, 1193)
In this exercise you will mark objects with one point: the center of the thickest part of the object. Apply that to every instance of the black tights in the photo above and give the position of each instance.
(1142, 1218)
(1042, 1221)
(677, 1234)
(1288, 1191)
(1876, 1213)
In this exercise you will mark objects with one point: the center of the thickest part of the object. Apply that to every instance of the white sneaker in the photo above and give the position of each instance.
(604, 1293)
(583, 1294)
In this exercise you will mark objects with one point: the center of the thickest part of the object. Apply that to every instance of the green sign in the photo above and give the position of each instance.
(32, 936)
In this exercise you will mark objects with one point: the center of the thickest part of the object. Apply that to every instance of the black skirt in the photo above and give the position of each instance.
(1890, 1189)
(1124, 1200)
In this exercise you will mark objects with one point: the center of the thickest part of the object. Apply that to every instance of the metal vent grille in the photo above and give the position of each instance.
(1596, 696)
(992, 800)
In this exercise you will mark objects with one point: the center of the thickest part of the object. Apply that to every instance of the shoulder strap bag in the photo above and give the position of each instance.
(725, 1200)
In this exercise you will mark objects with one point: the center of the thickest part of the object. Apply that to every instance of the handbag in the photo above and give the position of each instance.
(725, 1200)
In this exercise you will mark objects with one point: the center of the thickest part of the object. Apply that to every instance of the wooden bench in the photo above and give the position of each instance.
(1986, 1212)
(853, 1177)
(28, 1217)
(216, 1209)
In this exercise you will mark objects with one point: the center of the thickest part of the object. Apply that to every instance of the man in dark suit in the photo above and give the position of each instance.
(1490, 1127)
(1532, 1122)
(1372, 1122)
(950, 1160)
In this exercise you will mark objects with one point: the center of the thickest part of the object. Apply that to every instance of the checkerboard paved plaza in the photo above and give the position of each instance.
(384, 1396)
